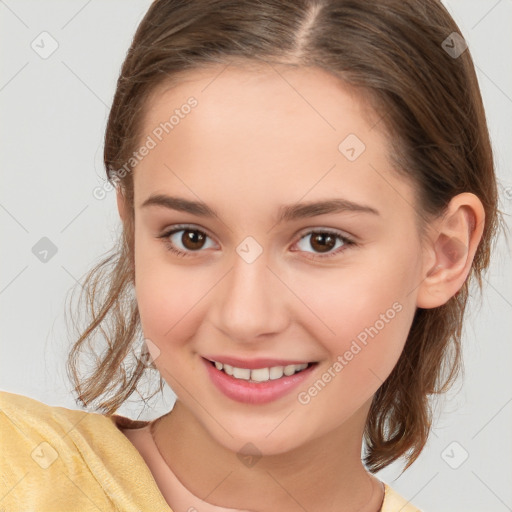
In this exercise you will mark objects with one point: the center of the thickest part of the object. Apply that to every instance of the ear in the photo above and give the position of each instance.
(450, 249)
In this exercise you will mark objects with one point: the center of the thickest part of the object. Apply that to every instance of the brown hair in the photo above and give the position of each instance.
(428, 101)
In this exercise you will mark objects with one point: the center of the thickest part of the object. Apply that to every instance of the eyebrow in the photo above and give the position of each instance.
(286, 212)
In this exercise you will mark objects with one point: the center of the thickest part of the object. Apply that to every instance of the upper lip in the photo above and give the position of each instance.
(261, 362)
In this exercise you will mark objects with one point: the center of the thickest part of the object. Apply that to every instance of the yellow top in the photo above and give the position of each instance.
(54, 459)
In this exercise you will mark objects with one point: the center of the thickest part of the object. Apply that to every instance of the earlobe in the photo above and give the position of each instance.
(452, 248)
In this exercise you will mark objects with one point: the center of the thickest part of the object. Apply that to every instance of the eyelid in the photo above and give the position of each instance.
(323, 229)
(179, 227)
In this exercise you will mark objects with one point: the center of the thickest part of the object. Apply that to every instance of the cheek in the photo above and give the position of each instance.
(368, 328)
(366, 312)
(169, 296)
(367, 332)
(371, 349)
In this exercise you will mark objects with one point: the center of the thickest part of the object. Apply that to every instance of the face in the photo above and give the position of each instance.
(264, 279)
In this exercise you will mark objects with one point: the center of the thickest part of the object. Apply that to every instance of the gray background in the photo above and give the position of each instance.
(54, 112)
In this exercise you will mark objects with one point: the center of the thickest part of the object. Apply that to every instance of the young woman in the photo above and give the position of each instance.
(306, 190)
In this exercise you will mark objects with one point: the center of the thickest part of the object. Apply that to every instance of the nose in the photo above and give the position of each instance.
(252, 301)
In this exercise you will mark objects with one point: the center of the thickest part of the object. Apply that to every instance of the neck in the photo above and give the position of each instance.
(325, 474)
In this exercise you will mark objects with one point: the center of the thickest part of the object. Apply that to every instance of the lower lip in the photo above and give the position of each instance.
(255, 392)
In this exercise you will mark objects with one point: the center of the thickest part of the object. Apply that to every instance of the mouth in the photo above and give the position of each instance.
(262, 374)
(259, 384)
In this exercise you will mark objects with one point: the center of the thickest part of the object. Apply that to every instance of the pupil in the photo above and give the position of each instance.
(193, 239)
(325, 242)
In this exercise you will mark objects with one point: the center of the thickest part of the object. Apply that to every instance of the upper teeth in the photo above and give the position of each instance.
(260, 374)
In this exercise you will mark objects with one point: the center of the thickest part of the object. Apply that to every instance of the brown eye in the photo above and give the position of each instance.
(323, 242)
(192, 239)
(184, 241)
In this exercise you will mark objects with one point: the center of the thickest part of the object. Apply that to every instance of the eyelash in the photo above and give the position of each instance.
(347, 242)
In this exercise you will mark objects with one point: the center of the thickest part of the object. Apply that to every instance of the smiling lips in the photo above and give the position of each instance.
(258, 369)
(260, 374)
(256, 381)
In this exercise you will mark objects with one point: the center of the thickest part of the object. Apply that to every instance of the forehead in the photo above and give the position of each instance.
(267, 91)
(267, 130)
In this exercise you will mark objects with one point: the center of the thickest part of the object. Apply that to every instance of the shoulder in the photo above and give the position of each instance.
(394, 502)
(44, 457)
(26, 410)
(25, 421)
(54, 458)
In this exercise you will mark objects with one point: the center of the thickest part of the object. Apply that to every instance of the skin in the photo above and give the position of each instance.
(260, 138)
